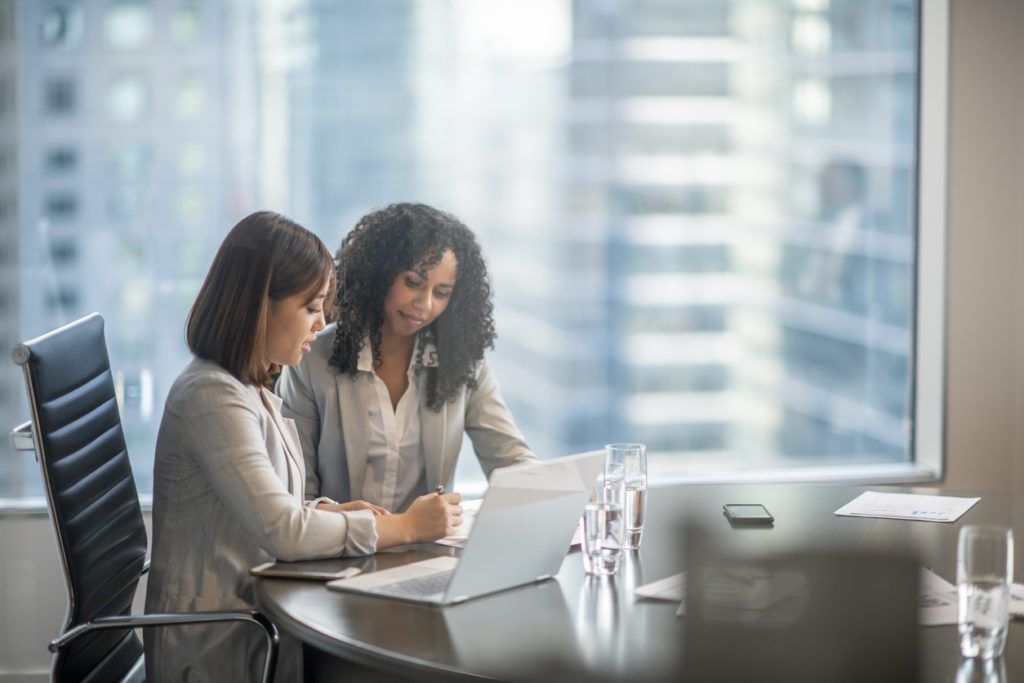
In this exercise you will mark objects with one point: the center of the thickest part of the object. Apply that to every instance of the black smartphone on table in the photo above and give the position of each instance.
(748, 514)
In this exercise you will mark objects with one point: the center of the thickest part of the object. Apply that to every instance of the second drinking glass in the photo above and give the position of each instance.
(984, 574)
(627, 463)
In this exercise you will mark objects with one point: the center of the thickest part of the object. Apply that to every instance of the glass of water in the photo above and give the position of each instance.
(602, 527)
(984, 573)
(628, 462)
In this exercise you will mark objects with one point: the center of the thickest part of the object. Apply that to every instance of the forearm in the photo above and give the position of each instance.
(394, 530)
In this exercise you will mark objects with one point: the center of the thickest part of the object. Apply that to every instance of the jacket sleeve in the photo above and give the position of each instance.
(296, 390)
(496, 439)
(222, 431)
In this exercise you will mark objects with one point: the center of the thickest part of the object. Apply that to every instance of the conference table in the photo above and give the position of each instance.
(576, 623)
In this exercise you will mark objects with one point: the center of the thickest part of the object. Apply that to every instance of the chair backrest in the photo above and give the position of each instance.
(94, 504)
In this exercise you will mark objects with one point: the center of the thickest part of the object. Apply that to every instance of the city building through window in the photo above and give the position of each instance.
(702, 219)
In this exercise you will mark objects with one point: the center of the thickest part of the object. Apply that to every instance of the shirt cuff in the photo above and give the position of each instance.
(322, 499)
(362, 533)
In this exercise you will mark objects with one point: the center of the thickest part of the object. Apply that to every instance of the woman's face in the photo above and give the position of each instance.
(414, 301)
(292, 324)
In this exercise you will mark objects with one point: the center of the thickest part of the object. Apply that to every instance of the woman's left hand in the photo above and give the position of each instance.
(352, 507)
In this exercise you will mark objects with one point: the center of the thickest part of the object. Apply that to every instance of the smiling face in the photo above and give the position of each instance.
(416, 299)
(292, 324)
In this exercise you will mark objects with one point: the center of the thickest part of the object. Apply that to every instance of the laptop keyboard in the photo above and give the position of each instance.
(419, 587)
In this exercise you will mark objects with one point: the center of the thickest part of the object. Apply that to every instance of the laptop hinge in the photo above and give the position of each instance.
(461, 598)
(543, 577)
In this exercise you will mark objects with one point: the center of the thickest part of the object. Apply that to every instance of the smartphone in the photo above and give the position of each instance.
(748, 514)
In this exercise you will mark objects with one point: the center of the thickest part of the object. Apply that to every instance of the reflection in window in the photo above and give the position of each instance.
(63, 252)
(59, 95)
(188, 100)
(124, 203)
(186, 25)
(128, 25)
(130, 162)
(191, 205)
(61, 159)
(63, 300)
(6, 96)
(126, 98)
(61, 206)
(191, 160)
(61, 26)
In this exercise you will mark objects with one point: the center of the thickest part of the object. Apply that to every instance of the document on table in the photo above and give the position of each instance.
(470, 509)
(672, 589)
(938, 605)
(907, 506)
(733, 588)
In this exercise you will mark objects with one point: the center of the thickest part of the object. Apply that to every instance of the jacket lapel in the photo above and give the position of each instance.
(289, 442)
(353, 431)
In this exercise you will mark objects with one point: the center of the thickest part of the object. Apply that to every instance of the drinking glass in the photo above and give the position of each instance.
(628, 462)
(603, 528)
(984, 572)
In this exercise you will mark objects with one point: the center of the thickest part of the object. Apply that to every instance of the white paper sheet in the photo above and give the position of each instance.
(907, 506)
(470, 508)
(937, 604)
(671, 589)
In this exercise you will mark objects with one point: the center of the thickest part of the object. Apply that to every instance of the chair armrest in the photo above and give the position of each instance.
(132, 621)
(21, 437)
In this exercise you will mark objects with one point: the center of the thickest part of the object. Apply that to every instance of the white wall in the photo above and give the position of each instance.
(985, 381)
(32, 598)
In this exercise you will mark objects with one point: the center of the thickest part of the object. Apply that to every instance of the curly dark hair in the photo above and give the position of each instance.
(414, 237)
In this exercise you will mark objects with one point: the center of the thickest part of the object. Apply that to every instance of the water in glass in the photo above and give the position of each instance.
(636, 509)
(602, 538)
(984, 606)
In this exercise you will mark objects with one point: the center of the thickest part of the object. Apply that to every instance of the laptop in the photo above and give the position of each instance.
(521, 535)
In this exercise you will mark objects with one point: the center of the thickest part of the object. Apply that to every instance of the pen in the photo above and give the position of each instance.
(439, 490)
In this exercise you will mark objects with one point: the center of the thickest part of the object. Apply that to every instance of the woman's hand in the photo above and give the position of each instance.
(429, 518)
(352, 507)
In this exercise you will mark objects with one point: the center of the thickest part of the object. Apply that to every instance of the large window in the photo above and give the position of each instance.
(703, 219)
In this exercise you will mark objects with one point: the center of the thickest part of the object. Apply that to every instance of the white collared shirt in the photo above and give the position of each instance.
(395, 473)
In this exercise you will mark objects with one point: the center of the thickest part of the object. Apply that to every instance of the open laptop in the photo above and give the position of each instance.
(520, 535)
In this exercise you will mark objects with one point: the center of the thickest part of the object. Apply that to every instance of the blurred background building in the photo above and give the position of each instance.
(699, 217)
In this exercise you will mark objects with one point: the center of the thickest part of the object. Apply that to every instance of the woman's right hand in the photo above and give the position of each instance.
(429, 518)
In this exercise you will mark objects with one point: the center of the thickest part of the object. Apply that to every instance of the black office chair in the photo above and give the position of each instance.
(94, 505)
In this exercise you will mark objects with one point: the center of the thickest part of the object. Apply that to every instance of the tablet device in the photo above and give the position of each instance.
(314, 570)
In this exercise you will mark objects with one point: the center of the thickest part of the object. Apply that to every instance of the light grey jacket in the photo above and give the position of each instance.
(227, 495)
(330, 413)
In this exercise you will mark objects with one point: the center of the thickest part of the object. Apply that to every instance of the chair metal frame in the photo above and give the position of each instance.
(25, 437)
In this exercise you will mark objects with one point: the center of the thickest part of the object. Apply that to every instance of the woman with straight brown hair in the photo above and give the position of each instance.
(229, 476)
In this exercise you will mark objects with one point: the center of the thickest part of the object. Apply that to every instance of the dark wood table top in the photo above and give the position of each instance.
(598, 624)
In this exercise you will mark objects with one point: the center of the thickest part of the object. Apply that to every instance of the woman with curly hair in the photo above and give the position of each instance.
(384, 397)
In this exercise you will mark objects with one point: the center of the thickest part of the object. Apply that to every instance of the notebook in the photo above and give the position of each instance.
(521, 535)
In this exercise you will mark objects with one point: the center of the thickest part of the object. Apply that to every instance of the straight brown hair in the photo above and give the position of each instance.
(265, 256)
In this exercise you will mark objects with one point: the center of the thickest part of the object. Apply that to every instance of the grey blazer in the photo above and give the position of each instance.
(330, 413)
(227, 495)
